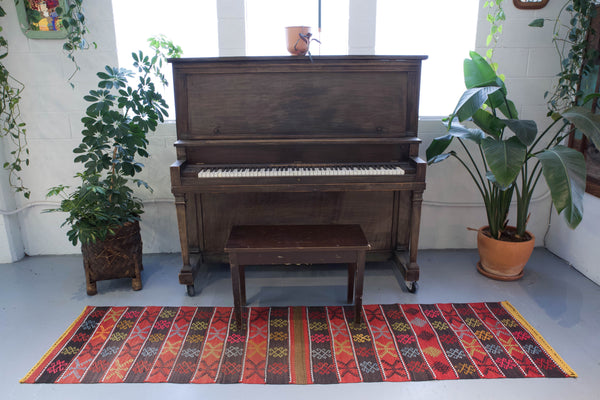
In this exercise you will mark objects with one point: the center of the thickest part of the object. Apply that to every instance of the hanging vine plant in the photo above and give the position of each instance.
(576, 59)
(73, 20)
(11, 126)
(495, 17)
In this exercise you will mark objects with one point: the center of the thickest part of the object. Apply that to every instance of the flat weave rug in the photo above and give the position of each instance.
(298, 345)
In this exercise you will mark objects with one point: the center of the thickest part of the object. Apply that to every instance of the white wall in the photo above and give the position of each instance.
(580, 246)
(53, 110)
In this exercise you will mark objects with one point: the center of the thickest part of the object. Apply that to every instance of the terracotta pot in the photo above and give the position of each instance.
(296, 44)
(502, 260)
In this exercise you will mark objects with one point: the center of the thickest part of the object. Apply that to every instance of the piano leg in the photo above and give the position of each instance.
(186, 275)
(410, 269)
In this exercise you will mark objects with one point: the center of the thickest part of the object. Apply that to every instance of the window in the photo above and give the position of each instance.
(444, 31)
(189, 24)
(266, 21)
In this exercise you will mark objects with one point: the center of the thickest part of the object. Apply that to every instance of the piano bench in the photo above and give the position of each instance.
(297, 244)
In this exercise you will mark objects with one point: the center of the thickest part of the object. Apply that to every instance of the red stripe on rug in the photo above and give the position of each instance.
(391, 364)
(209, 364)
(256, 346)
(84, 360)
(130, 350)
(346, 363)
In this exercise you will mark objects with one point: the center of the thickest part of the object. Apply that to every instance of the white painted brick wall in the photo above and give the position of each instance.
(53, 111)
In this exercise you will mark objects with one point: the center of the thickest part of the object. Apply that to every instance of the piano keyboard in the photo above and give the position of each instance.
(251, 172)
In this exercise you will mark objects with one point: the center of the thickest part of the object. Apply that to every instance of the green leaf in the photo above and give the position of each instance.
(439, 158)
(437, 147)
(459, 131)
(472, 100)
(564, 170)
(537, 23)
(504, 158)
(489, 123)
(507, 107)
(525, 130)
(478, 72)
(586, 121)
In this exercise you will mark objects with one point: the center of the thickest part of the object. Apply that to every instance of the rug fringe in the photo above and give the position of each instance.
(540, 339)
(57, 343)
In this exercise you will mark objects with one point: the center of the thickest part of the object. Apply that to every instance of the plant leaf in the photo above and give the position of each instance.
(537, 23)
(472, 100)
(437, 147)
(439, 158)
(505, 158)
(490, 124)
(478, 72)
(525, 130)
(586, 121)
(564, 170)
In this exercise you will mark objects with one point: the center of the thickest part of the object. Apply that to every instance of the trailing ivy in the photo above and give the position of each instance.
(495, 17)
(571, 29)
(12, 127)
(73, 20)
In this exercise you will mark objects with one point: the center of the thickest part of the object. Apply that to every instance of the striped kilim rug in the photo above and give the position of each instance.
(301, 345)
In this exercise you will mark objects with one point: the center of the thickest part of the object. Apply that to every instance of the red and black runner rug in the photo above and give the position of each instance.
(300, 345)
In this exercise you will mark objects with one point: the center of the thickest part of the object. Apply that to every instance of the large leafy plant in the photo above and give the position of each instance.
(508, 156)
(116, 123)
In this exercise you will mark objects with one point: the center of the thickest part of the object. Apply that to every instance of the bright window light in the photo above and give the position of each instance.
(266, 21)
(441, 29)
(189, 24)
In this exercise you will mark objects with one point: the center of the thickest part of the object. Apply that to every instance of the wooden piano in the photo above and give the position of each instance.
(287, 141)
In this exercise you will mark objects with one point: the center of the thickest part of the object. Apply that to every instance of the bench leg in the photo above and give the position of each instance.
(235, 281)
(242, 285)
(351, 279)
(360, 273)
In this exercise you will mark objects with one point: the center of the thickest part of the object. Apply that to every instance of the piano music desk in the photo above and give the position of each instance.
(297, 244)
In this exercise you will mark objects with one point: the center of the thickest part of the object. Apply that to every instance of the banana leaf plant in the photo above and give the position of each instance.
(508, 156)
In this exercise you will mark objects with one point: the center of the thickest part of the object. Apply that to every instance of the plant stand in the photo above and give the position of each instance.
(118, 256)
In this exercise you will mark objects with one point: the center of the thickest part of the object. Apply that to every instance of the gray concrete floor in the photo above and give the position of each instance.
(41, 296)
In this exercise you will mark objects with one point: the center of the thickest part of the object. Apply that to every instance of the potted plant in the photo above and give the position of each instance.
(103, 212)
(507, 157)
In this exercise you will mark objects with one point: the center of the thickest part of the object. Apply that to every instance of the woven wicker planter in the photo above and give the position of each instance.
(118, 256)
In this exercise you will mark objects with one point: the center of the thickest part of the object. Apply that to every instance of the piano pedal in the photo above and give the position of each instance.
(411, 286)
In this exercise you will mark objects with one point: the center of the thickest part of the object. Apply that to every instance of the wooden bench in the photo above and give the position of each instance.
(297, 244)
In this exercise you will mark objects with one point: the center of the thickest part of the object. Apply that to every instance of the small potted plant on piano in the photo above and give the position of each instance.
(102, 212)
(506, 156)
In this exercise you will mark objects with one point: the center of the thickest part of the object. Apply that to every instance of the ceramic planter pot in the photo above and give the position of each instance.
(296, 44)
(503, 260)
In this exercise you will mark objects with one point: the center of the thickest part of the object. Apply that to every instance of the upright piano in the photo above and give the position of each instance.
(289, 141)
